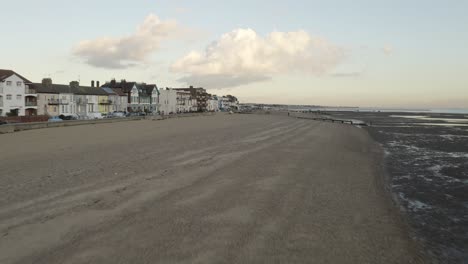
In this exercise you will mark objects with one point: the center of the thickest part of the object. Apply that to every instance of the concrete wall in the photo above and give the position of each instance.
(10, 128)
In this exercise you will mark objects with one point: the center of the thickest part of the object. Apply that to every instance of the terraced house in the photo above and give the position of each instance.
(17, 97)
(141, 97)
(68, 99)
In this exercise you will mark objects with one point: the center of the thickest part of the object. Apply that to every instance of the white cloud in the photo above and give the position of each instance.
(127, 51)
(242, 57)
(387, 49)
(354, 74)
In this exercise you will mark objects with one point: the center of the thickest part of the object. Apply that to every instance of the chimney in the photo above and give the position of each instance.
(74, 84)
(191, 87)
(47, 82)
(92, 83)
(97, 84)
(113, 82)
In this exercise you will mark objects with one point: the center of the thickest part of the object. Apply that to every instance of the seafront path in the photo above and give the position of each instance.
(208, 189)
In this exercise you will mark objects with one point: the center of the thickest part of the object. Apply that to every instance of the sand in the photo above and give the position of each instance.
(213, 189)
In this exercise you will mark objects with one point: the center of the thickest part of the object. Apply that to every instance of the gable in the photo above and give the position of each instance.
(4, 74)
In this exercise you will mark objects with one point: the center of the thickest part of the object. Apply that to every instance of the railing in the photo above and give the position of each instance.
(31, 103)
(53, 101)
(30, 91)
(82, 101)
(105, 102)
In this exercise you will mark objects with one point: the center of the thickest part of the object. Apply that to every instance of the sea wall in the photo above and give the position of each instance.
(15, 127)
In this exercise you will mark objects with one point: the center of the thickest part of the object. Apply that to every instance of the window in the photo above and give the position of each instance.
(8, 97)
(19, 83)
(18, 97)
(8, 83)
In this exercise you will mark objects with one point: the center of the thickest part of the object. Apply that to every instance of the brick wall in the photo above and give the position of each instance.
(25, 119)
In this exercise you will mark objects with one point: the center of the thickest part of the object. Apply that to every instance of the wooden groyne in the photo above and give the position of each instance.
(333, 120)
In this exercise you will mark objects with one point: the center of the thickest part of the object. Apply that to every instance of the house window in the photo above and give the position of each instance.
(55, 109)
(18, 83)
(8, 97)
(8, 83)
(18, 97)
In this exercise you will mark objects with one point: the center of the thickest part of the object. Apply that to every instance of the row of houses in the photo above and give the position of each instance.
(21, 97)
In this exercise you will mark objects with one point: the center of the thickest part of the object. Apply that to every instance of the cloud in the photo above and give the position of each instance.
(242, 56)
(130, 50)
(182, 10)
(220, 81)
(387, 50)
(346, 74)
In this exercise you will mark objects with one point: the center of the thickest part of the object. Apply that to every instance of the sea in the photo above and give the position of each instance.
(426, 157)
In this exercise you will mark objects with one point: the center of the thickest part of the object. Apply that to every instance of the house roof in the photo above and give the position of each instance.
(109, 90)
(64, 88)
(124, 85)
(119, 91)
(148, 88)
(7, 73)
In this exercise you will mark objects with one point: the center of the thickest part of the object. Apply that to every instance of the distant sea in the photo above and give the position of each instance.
(384, 110)
(433, 110)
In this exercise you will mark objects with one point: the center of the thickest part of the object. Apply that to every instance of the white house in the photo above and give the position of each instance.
(122, 104)
(71, 99)
(228, 102)
(184, 101)
(167, 101)
(213, 104)
(155, 99)
(135, 99)
(16, 95)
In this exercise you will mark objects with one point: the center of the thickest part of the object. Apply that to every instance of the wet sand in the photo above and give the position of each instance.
(215, 189)
(427, 160)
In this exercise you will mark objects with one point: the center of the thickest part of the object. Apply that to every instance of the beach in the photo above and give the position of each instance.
(253, 188)
(426, 157)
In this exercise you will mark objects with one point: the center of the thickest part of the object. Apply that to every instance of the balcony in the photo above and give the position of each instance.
(31, 92)
(53, 101)
(58, 101)
(31, 103)
(105, 102)
(82, 101)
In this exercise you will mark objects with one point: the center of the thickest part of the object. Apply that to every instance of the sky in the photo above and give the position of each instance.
(366, 53)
